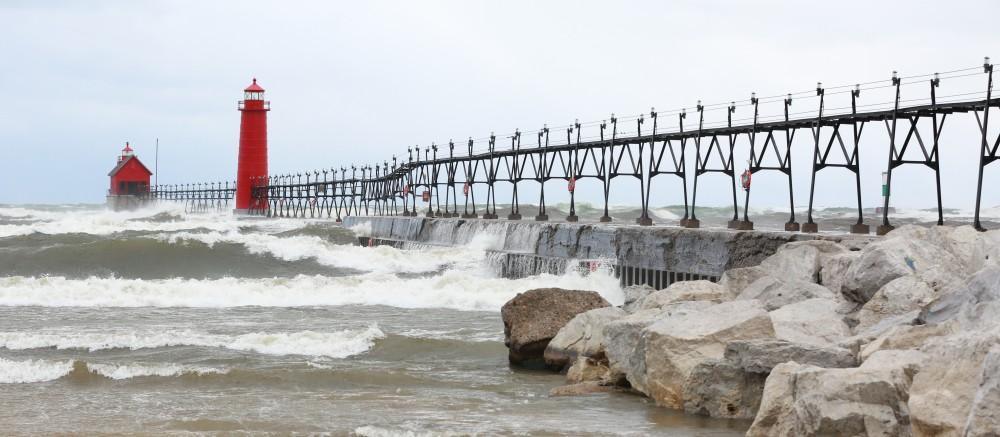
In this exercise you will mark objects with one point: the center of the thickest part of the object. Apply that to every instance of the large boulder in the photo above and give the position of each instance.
(534, 317)
(633, 295)
(732, 387)
(905, 337)
(623, 343)
(582, 336)
(775, 293)
(675, 345)
(813, 321)
(946, 389)
(720, 388)
(801, 260)
(760, 356)
(908, 250)
(684, 291)
(734, 281)
(984, 417)
(833, 270)
(975, 303)
(804, 400)
(900, 296)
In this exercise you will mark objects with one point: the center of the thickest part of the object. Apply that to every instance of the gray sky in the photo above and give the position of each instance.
(355, 82)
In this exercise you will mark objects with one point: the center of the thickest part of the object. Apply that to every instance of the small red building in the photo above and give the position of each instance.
(130, 177)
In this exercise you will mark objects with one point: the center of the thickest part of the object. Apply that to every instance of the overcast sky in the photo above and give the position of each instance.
(355, 82)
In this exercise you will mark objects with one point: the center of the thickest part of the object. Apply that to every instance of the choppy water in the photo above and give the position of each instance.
(157, 322)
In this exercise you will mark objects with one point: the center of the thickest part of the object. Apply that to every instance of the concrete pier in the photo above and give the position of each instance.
(654, 255)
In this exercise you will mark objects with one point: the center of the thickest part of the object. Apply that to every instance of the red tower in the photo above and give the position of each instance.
(253, 147)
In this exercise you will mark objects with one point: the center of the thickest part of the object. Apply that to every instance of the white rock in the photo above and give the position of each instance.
(633, 295)
(944, 391)
(905, 337)
(794, 262)
(908, 250)
(803, 400)
(984, 417)
(683, 291)
(813, 321)
(675, 345)
(582, 336)
(775, 293)
(734, 281)
(833, 270)
(900, 296)
(975, 304)
(624, 347)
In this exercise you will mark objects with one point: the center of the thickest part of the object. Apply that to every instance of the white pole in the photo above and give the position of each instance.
(156, 164)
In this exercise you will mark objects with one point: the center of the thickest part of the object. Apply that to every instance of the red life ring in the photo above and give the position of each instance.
(406, 189)
(745, 179)
(571, 186)
(465, 189)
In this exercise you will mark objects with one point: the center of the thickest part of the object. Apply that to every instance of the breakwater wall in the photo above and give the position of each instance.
(654, 255)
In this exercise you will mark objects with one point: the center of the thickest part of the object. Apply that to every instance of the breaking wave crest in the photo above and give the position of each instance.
(339, 344)
(300, 247)
(14, 372)
(454, 289)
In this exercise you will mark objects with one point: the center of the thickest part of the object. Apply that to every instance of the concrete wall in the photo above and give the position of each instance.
(707, 252)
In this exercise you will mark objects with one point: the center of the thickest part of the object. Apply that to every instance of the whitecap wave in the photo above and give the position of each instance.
(458, 289)
(129, 371)
(375, 431)
(338, 344)
(15, 372)
(384, 259)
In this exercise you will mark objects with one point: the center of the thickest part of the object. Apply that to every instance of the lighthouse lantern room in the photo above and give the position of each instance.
(252, 162)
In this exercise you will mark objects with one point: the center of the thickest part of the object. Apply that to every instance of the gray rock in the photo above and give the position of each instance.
(760, 356)
(900, 296)
(582, 336)
(719, 388)
(625, 347)
(905, 337)
(833, 270)
(976, 304)
(633, 295)
(676, 344)
(775, 293)
(813, 321)
(683, 291)
(802, 400)
(534, 317)
(909, 250)
(908, 360)
(801, 260)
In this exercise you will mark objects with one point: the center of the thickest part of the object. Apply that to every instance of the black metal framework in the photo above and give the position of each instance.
(609, 154)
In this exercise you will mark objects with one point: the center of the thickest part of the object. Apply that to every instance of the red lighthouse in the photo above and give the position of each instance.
(253, 147)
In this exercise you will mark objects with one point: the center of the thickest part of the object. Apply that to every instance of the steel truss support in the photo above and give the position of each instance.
(987, 154)
(851, 159)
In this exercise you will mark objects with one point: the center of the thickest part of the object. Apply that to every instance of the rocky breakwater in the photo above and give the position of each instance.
(901, 337)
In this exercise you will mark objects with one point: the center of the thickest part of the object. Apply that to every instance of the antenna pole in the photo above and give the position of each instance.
(156, 164)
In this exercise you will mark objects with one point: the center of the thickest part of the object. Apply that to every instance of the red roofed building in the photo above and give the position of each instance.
(129, 177)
